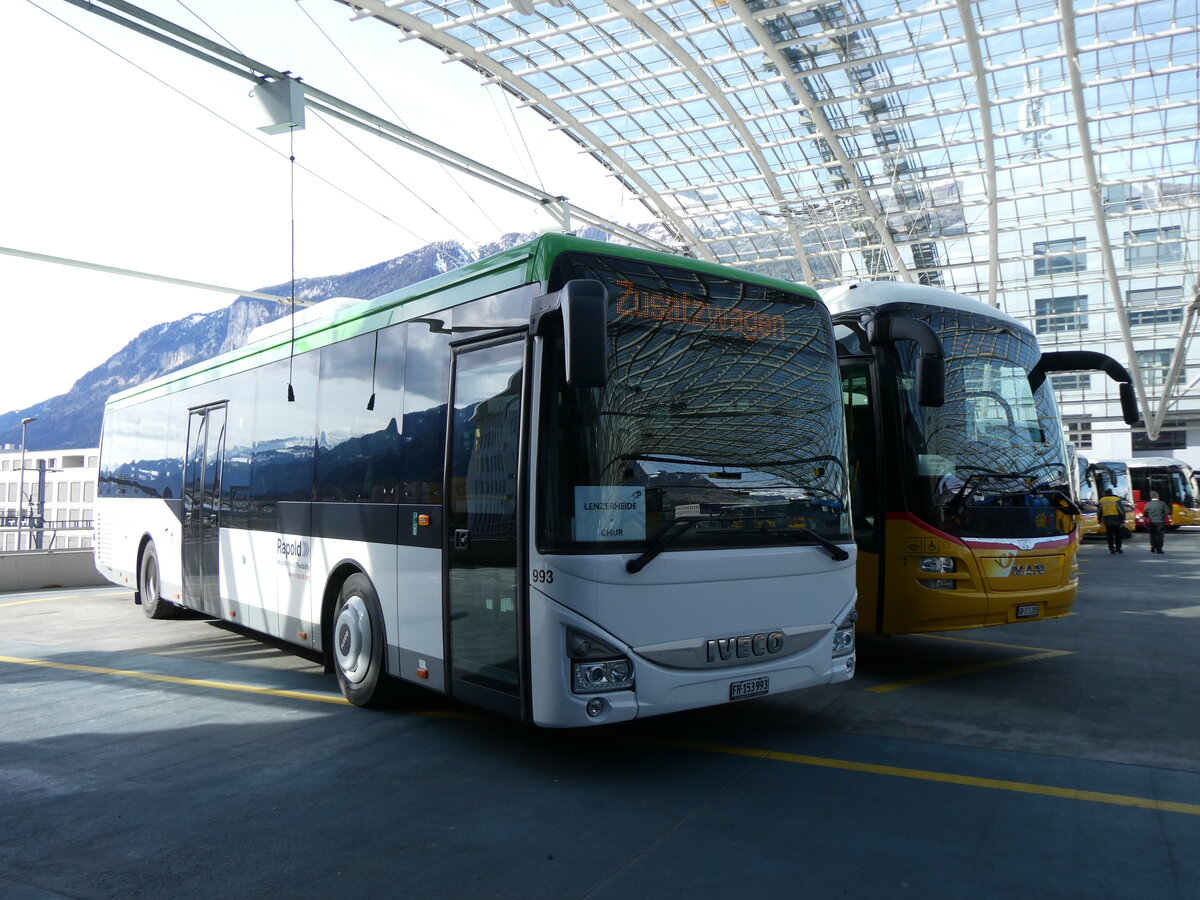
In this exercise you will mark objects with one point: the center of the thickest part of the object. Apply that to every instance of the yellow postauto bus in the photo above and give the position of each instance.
(1097, 479)
(962, 508)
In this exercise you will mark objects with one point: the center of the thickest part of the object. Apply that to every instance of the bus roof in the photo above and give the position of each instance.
(1165, 461)
(525, 263)
(875, 294)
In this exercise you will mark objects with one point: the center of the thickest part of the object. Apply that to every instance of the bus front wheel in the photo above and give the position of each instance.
(150, 588)
(358, 642)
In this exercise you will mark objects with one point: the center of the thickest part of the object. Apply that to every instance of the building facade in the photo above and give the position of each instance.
(48, 504)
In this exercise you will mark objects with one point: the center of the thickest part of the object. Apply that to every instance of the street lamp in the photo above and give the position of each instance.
(21, 490)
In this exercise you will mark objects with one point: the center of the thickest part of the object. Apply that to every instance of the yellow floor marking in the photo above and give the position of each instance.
(966, 670)
(43, 599)
(1192, 809)
(1041, 653)
(995, 784)
(962, 640)
(172, 679)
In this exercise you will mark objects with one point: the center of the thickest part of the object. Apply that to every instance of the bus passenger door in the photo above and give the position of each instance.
(866, 488)
(202, 509)
(484, 604)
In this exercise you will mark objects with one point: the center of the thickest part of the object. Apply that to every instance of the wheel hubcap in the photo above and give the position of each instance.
(150, 582)
(352, 640)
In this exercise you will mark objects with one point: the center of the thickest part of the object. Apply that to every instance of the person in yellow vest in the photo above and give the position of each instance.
(1114, 520)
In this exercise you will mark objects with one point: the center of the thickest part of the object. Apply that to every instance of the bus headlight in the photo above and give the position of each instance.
(595, 666)
(843, 638)
(938, 564)
(607, 675)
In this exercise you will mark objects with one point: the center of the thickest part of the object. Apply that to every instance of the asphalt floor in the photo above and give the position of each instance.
(187, 758)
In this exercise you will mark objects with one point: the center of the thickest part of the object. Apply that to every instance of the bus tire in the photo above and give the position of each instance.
(358, 642)
(150, 587)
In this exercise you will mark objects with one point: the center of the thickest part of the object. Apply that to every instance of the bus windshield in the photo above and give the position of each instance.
(990, 462)
(720, 427)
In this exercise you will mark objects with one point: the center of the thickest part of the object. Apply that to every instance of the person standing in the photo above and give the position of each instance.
(1156, 520)
(1114, 520)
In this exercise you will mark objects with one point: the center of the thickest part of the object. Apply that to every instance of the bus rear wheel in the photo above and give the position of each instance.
(358, 640)
(150, 588)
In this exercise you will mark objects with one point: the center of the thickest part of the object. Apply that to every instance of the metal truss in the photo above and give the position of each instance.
(959, 143)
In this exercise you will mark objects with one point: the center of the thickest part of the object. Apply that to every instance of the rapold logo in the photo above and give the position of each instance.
(292, 552)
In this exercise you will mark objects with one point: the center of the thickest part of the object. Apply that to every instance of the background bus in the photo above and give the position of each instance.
(1172, 479)
(1100, 477)
(571, 483)
(1083, 493)
(962, 510)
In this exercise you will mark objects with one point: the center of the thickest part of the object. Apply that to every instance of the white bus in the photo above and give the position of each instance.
(572, 483)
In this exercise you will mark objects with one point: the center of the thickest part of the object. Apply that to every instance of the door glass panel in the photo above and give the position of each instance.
(861, 451)
(192, 507)
(482, 516)
(202, 509)
(210, 526)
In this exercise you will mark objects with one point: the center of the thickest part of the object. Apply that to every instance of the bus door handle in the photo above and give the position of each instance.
(462, 538)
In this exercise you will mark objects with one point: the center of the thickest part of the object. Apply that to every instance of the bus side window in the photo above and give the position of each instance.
(358, 419)
(282, 466)
(423, 432)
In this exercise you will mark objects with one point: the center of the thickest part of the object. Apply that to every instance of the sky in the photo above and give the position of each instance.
(118, 150)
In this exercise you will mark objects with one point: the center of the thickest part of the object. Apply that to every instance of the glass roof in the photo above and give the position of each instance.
(1028, 153)
(833, 140)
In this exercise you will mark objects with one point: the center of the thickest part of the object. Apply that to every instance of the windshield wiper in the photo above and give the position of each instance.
(664, 540)
(1055, 495)
(994, 474)
(980, 475)
(681, 526)
(834, 550)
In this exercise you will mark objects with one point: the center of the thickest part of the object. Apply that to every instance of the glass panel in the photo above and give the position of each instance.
(1061, 314)
(482, 516)
(1056, 257)
(721, 424)
(862, 446)
(991, 461)
(284, 438)
(423, 430)
(359, 408)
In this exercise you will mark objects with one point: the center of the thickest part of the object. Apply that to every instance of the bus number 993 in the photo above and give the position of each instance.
(543, 576)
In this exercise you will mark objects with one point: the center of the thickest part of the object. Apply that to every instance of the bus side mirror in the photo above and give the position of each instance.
(930, 365)
(584, 304)
(1129, 404)
(931, 380)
